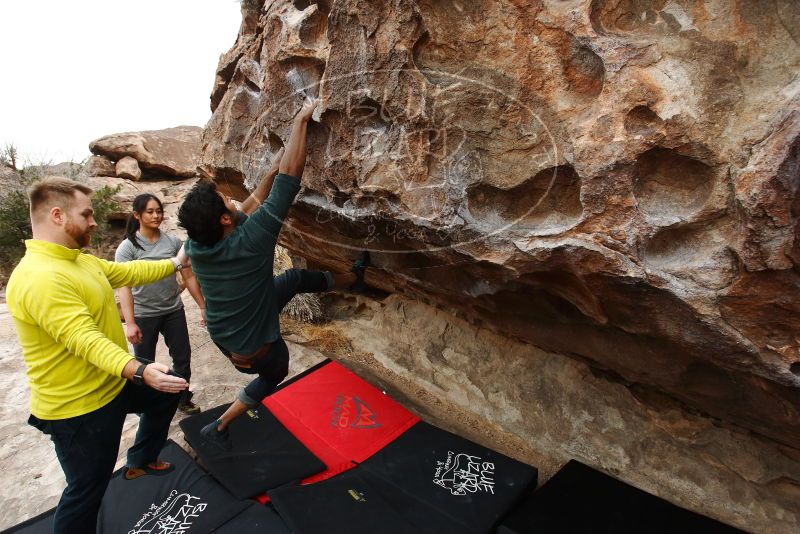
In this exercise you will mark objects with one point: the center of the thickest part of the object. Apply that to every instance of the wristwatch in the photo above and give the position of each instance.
(177, 263)
(138, 376)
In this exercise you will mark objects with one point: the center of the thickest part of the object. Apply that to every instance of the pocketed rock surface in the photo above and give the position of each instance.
(611, 180)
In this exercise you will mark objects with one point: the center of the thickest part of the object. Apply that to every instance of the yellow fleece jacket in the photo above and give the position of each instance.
(62, 303)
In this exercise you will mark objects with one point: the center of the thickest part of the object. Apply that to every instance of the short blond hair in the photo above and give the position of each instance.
(54, 191)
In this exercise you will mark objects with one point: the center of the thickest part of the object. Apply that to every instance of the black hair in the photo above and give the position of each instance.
(200, 213)
(139, 205)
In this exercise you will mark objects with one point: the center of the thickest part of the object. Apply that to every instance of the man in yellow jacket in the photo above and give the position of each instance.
(83, 380)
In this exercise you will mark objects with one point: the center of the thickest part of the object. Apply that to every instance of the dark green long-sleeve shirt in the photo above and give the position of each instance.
(236, 274)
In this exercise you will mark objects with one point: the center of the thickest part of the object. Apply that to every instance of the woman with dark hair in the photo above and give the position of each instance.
(157, 308)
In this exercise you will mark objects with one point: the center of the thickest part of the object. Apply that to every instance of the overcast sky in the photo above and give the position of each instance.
(75, 71)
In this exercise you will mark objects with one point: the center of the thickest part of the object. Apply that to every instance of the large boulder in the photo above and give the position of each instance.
(610, 180)
(99, 166)
(173, 151)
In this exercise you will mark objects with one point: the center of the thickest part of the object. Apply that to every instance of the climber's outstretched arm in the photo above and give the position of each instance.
(294, 157)
(263, 188)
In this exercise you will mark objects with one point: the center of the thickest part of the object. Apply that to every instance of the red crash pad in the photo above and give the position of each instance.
(339, 417)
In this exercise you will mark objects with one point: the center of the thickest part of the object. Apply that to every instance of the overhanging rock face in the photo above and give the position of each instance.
(614, 180)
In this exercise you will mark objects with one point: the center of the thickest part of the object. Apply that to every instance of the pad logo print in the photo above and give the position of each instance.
(463, 473)
(352, 412)
(174, 516)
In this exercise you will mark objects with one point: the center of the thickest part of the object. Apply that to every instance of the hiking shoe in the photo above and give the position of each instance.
(188, 407)
(359, 268)
(157, 468)
(222, 439)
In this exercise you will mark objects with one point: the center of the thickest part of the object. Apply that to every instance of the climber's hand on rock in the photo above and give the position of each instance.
(307, 110)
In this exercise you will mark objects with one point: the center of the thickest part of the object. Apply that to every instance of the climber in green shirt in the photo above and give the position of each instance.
(232, 256)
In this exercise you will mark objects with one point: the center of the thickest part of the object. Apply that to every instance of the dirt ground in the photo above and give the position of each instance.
(32, 480)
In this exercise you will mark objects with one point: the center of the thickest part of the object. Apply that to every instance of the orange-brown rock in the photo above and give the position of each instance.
(128, 168)
(612, 180)
(99, 166)
(173, 151)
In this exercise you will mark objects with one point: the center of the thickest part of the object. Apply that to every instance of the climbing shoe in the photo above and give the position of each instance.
(359, 268)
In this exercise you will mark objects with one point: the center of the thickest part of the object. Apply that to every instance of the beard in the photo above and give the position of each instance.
(82, 237)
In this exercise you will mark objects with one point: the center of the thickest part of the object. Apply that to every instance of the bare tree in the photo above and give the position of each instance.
(9, 155)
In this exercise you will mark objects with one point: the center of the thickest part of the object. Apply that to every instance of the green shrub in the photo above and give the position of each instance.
(104, 204)
(15, 225)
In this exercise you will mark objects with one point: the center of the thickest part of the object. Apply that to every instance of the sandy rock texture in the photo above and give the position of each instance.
(611, 180)
(172, 151)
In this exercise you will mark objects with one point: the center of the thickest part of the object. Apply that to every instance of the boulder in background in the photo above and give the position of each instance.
(173, 151)
(128, 167)
(99, 166)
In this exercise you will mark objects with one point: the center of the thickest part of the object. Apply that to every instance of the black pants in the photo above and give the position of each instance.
(176, 336)
(274, 367)
(87, 447)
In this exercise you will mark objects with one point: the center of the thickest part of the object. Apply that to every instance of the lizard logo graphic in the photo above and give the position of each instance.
(464, 473)
(174, 516)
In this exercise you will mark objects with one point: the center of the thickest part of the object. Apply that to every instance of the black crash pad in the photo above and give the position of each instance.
(41, 524)
(256, 518)
(265, 454)
(185, 498)
(425, 481)
(343, 504)
(444, 483)
(579, 499)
